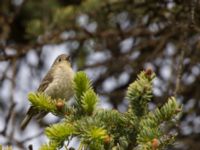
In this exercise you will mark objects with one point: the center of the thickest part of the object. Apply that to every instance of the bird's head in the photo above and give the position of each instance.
(62, 59)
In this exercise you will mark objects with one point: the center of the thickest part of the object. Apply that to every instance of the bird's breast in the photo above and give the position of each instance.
(61, 86)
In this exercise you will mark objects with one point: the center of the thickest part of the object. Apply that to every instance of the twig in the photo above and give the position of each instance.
(30, 147)
(7, 119)
(180, 69)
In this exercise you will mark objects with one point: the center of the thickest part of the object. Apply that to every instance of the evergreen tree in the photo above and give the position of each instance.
(97, 128)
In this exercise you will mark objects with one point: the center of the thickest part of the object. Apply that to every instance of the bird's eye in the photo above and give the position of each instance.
(59, 60)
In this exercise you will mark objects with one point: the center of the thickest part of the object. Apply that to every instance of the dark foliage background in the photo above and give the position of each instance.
(112, 40)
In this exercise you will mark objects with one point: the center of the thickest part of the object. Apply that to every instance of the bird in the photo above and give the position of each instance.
(57, 84)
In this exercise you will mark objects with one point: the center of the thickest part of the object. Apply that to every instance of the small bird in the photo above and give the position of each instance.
(57, 84)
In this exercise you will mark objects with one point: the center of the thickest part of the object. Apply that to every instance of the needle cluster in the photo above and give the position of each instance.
(98, 128)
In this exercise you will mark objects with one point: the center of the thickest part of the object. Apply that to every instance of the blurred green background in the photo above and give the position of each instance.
(112, 41)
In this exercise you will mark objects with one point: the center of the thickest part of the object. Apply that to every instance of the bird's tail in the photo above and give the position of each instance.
(31, 112)
(26, 121)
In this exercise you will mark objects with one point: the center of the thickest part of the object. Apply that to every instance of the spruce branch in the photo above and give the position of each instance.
(96, 134)
(58, 134)
(110, 117)
(60, 131)
(150, 125)
(140, 93)
(42, 101)
(89, 101)
(81, 85)
(52, 145)
(91, 132)
(97, 128)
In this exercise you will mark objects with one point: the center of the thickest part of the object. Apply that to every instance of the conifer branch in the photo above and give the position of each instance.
(42, 101)
(150, 126)
(81, 85)
(50, 146)
(89, 101)
(140, 93)
(60, 131)
(97, 128)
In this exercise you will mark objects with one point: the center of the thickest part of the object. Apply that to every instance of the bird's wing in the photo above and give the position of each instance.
(34, 111)
(45, 82)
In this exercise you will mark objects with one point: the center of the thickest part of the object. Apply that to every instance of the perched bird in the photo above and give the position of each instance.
(57, 84)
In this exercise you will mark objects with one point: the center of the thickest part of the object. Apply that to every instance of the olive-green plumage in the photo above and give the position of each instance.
(57, 84)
